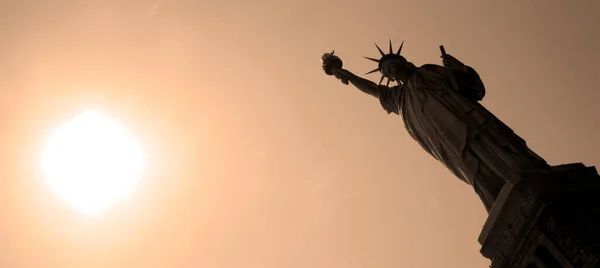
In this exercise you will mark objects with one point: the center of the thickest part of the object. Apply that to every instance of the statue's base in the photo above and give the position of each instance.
(549, 219)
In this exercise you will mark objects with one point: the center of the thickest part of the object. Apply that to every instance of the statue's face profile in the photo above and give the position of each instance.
(392, 65)
(395, 68)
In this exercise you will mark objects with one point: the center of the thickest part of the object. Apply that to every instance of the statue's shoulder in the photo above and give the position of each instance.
(431, 68)
(431, 71)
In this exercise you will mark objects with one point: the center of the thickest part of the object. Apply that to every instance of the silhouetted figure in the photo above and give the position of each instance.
(441, 111)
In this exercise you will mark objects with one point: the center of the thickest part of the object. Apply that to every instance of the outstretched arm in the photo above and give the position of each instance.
(362, 84)
(332, 65)
(383, 93)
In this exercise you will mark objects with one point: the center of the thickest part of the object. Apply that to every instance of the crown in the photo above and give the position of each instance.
(384, 57)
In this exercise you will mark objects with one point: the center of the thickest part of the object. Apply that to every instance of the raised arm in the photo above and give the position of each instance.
(362, 84)
(332, 65)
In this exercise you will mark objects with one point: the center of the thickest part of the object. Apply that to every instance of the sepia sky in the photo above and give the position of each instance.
(257, 159)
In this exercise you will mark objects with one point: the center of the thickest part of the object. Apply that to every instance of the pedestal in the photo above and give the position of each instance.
(546, 220)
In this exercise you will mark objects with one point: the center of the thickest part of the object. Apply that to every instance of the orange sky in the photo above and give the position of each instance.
(257, 159)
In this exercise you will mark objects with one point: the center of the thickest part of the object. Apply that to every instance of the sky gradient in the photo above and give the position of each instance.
(257, 159)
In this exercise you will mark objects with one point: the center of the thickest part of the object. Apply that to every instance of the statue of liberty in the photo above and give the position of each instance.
(441, 111)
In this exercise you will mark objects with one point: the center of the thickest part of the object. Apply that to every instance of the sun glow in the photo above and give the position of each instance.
(92, 162)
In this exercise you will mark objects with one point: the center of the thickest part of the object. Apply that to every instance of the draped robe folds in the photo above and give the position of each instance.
(459, 132)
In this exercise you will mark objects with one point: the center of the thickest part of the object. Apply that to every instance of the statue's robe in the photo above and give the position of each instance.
(459, 132)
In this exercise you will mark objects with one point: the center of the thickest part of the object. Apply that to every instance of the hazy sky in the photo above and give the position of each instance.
(257, 158)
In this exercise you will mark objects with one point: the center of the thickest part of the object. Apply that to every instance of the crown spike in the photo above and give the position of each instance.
(381, 80)
(391, 49)
(380, 51)
(372, 59)
(375, 70)
(400, 48)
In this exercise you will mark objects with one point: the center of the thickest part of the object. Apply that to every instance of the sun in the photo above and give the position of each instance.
(92, 162)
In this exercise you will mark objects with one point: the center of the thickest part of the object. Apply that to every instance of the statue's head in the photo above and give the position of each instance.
(392, 66)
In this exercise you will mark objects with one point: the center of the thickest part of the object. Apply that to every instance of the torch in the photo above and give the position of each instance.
(332, 64)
